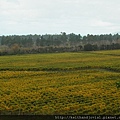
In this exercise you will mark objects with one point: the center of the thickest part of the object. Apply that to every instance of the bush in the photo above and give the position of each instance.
(118, 84)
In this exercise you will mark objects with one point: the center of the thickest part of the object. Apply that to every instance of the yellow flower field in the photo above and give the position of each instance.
(61, 83)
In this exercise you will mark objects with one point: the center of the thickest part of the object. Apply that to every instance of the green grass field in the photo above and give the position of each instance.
(82, 83)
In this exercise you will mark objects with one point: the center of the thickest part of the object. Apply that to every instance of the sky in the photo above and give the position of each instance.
(22, 17)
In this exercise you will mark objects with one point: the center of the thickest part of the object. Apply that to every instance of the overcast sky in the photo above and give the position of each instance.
(55, 16)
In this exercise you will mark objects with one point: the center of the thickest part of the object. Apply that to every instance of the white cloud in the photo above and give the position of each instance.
(53, 16)
(100, 23)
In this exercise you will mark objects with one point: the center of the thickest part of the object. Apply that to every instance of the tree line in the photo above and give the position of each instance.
(24, 44)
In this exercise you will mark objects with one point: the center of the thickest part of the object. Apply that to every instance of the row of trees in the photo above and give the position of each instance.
(40, 40)
(57, 43)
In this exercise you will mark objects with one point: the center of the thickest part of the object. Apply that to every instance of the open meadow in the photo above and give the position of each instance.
(73, 83)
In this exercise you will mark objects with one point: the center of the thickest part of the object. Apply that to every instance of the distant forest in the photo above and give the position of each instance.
(48, 43)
